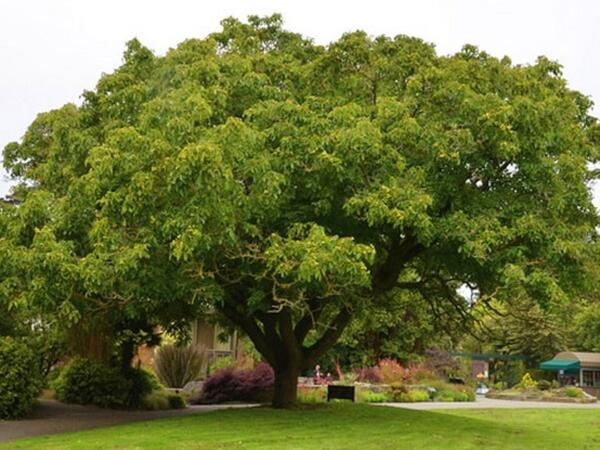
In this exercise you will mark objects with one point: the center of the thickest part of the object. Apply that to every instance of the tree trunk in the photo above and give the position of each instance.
(285, 391)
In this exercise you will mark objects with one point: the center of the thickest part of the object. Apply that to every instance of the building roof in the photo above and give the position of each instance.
(586, 359)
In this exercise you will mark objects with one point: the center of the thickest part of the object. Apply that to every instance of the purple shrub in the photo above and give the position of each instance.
(369, 375)
(227, 385)
(219, 387)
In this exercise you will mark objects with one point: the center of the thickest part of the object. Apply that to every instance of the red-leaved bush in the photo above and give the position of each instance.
(391, 371)
(250, 385)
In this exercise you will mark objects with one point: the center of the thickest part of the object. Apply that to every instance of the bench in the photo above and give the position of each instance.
(340, 392)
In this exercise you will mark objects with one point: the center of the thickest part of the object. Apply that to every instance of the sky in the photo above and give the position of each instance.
(50, 52)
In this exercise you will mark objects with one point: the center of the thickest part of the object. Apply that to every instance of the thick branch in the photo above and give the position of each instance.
(308, 320)
(329, 338)
(251, 328)
(400, 253)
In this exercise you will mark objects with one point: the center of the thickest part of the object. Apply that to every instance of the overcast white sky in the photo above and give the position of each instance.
(50, 51)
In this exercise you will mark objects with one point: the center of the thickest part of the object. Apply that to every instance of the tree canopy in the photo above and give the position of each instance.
(290, 186)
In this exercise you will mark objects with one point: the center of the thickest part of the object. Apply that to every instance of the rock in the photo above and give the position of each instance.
(193, 387)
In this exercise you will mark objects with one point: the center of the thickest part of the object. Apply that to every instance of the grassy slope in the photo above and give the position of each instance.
(343, 426)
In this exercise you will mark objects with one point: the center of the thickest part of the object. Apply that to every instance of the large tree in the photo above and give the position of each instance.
(289, 185)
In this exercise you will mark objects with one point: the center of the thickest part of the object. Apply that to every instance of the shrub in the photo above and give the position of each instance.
(418, 373)
(391, 371)
(20, 382)
(256, 384)
(573, 392)
(368, 375)
(444, 396)
(222, 362)
(176, 401)
(245, 385)
(511, 372)
(176, 366)
(141, 383)
(527, 382)
(220, 387)
(414, 396)
(499, 386)
(345, 378)
(87, 382)
(160, 400)
(309, 394)
(450, 395)
(375, 397)
(155, 401)
(544, 385)
(398, 390)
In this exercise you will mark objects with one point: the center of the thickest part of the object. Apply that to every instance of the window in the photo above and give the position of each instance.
(219, 345)
(590, 378)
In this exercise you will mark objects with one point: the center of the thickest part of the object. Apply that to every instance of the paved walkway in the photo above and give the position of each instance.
(490, 403)
(51, 417)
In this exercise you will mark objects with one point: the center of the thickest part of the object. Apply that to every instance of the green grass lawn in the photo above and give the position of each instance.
(343, 426)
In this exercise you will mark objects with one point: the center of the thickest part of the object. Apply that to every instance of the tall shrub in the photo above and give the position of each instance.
(176, 366)
(20, 381)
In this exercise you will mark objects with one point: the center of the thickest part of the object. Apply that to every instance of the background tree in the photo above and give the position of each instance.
(404, 327)
(291, 186)
(524, 329)
(587, 325)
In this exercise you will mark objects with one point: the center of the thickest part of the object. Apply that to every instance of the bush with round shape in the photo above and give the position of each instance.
(20, 382)
(227, 385)
(175, 401)
(87, 382)
(573, 392)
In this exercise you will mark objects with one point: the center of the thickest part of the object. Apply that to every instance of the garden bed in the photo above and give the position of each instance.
(400, 393)
(561, 395)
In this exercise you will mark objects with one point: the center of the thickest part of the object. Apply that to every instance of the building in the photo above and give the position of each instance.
(209, 339)
(582, 368)
(213, 341)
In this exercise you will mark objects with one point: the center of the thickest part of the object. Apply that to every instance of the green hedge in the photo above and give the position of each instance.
(20, 381)
(87, 382)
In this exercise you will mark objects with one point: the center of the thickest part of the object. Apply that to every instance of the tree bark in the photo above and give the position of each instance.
(285, 390)
(281, 343)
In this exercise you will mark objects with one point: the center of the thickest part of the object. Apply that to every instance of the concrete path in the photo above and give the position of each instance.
(490, 403)
(51, 417)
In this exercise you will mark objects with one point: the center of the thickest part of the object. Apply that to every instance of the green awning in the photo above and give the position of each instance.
(560, 364)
